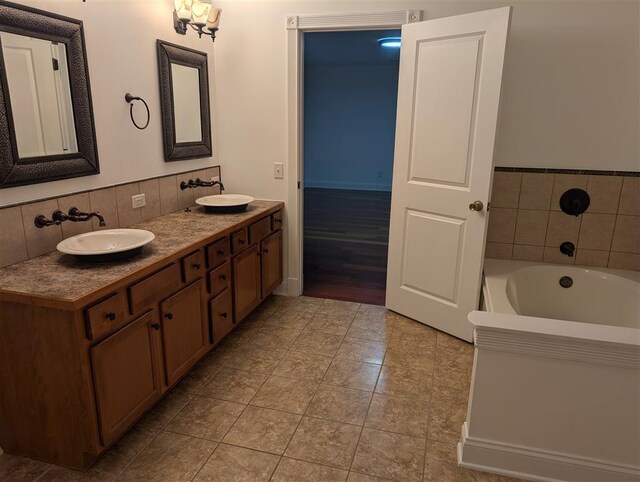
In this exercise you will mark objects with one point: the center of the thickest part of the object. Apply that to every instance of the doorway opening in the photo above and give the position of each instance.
(350, 98)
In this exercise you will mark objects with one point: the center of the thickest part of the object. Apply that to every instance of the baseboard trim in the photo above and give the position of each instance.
(292, 287)
(356, 186)
(532, 464)
(282, 288)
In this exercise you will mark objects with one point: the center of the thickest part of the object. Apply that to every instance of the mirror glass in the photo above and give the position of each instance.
(186, 103)
(37, 75)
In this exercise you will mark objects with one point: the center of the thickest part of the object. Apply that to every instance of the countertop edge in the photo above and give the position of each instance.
(72, 304)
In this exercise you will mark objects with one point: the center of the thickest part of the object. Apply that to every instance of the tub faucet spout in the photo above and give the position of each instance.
(568, 248)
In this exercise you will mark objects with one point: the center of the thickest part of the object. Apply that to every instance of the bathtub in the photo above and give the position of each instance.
(555, 392)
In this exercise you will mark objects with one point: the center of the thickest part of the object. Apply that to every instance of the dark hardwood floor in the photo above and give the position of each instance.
(346, 236)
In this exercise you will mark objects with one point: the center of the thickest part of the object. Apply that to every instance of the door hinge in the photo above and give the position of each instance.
(55, 64)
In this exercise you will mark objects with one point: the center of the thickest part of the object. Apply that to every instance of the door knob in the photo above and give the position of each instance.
(476, 206)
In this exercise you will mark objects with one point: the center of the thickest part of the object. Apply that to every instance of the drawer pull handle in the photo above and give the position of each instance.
(196, 265)
(221, 252)
(155, 326)
(241, 241)
(168, 316)
(265, 250)
(223, 277)
(110, 316)
(223, 314)
(277, 221)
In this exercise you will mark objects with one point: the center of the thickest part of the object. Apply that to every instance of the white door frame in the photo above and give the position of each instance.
(296, 26)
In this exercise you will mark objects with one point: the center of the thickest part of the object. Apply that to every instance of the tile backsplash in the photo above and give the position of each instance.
(526, 223)
(20, 239)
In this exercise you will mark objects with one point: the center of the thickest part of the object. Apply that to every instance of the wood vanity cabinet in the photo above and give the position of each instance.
(126, 375)
(83, 371)
(257, 271)
(184, 331)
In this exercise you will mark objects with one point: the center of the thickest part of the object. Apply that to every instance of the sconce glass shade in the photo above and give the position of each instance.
(183, 9)
(213, 20)
(200, 13)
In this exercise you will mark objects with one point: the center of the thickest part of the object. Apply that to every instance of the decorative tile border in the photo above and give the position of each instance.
(585, 172)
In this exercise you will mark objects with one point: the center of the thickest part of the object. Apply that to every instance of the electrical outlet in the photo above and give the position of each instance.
(278, 170)
(138, 201)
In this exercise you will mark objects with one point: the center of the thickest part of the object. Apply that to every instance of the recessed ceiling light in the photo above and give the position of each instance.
(390, 42)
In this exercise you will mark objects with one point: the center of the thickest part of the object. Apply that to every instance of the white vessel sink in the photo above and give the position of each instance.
(225, 203)
(106, 245)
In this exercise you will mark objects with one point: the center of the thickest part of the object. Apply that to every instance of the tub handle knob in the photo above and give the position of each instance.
(476, 206)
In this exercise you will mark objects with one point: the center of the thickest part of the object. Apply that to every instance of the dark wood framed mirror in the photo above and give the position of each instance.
(47, 131)
(184, 100)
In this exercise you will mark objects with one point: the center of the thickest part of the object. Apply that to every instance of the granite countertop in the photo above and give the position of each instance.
(63, 277)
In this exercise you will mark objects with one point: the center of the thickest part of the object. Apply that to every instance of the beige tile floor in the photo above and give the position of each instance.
(305, 390)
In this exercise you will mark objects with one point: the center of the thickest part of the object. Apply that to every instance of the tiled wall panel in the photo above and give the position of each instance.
(526, 222)
(20, 239)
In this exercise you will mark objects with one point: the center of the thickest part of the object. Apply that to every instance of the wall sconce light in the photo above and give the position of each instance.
(200, 16)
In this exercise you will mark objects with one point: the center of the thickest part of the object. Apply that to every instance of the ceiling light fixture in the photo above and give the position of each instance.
(200, 16)
(390, 42)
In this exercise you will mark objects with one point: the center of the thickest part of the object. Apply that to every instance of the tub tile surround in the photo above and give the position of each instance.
(526, 223)
(339, 424)
(21, 240)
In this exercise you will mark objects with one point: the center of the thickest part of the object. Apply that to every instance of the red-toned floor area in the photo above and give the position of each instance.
(346, 235)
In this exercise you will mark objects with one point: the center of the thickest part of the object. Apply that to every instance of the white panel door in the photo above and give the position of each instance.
(448, 98)
(34, 97)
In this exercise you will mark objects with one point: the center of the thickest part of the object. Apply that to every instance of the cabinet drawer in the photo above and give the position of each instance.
(221, 315)
(276, 221)
(220, 279)
(239, 241)
(259, 230)
(153, 288)
(218, 252)
(193, 267)
(105, 317)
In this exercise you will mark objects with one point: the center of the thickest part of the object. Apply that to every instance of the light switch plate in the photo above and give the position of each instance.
(278, 170)
(138, 201)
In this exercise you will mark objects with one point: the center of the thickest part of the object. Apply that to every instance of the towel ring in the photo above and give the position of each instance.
(130, 98)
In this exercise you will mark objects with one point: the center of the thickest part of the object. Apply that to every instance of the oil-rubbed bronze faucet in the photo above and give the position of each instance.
(74, 215)
(200, 183)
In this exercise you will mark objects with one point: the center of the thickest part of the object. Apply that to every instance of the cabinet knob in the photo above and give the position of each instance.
(223, 314)
(168, 316)
(196, 265)
(277, 221)
(110, 316)
(155, 326)
(221, 252)
(223, 277)
(241, 241)
(265, 250)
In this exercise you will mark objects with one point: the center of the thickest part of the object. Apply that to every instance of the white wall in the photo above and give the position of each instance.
(571, 96)
(121, 48)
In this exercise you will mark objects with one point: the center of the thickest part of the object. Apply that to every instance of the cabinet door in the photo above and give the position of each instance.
(184, 331)
(221, 315)
(246, 282)
(271, 249)
(126, 376)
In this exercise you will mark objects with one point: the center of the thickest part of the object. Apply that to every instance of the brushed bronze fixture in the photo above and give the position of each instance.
(74, 215)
